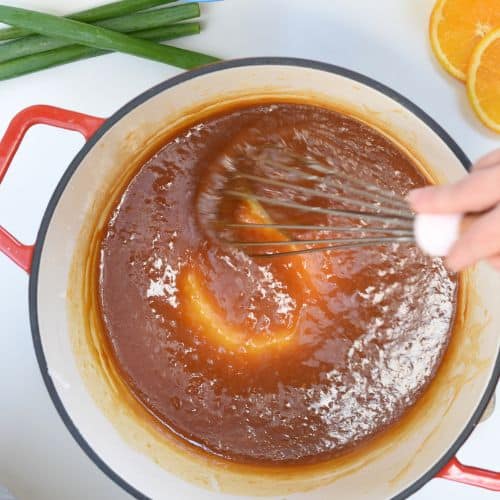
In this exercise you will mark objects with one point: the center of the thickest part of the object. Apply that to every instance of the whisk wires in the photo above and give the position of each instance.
(363, 214)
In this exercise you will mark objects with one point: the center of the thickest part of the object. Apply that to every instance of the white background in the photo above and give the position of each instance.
(386, 40)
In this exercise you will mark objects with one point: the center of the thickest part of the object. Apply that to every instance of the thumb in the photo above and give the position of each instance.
(474, 193)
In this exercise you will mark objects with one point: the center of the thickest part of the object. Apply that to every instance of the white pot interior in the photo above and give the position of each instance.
(133, 452)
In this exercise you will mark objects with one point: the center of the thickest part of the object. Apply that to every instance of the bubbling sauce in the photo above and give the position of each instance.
(290, 360)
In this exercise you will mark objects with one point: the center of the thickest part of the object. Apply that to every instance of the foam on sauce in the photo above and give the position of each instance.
(293, 360)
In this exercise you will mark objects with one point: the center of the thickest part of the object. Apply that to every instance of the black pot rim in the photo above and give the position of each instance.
(258, 61)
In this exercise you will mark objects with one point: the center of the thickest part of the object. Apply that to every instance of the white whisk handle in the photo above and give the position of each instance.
(435, 234)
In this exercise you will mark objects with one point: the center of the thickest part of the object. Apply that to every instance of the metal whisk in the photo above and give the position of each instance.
(318, 206)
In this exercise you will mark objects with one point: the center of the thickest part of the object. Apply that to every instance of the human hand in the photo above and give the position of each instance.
(478, 192)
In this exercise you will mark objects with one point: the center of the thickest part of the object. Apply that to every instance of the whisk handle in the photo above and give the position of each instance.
(435, 234)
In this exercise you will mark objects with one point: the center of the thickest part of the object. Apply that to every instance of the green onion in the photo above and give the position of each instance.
(114, 9)
(70, 53)
(101, 38)
(134, 22)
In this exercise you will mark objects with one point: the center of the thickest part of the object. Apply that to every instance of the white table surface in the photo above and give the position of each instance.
(386, 40)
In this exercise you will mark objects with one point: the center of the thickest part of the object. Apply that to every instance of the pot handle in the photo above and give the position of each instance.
(20, 253)
(474, 476)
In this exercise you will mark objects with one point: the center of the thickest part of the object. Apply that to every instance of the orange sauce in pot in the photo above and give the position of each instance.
(286, 361)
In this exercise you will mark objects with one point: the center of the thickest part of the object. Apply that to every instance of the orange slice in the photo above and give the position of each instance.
(483, 80)
(251, 211)
(456, 27)
(205, 314)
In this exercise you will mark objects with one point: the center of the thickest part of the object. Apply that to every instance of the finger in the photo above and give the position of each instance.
(489, 160)
(494, 262)
(480, 241)
(478, 191)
